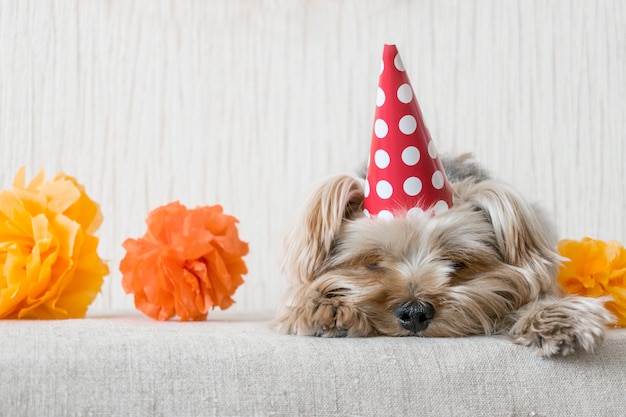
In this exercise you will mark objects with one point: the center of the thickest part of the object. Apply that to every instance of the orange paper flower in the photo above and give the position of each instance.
(188, 262)
(595, 269)
(48, 260)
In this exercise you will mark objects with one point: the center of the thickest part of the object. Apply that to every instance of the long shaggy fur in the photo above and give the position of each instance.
(488, 265)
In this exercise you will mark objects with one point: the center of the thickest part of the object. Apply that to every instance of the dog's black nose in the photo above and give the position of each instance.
(415, 316)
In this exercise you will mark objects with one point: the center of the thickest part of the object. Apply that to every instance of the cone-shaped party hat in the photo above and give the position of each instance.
(404, 173)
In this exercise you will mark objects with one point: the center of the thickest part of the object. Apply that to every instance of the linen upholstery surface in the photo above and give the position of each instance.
(130, 365)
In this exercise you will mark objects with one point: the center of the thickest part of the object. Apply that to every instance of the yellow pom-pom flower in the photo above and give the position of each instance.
(595, 268)
(49, 267)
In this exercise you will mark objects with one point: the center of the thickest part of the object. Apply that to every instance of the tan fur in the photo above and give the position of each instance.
(488, 265)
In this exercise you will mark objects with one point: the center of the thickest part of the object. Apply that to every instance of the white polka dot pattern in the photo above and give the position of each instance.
(415, 211)
(438, 180)
(440, 206)
(412, 186)
(432, 150)
(404, 172)
(407, 124)
(397, 62)
(381, 159)
(384, 189)
(380, 128)
(405, 94)
(410, 155)
(380, 97)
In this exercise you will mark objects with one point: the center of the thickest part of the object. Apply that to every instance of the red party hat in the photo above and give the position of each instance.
(404, 173)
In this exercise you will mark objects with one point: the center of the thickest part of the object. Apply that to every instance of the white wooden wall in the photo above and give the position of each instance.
(246, 103)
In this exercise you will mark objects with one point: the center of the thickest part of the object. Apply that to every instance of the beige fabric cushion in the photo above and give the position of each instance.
(136, 366)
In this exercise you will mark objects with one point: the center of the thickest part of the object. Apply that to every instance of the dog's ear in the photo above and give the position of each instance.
(309, 240)
(523, 235)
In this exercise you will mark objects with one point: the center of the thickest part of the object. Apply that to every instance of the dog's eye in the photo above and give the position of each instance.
(458, 266)
(373, 266)
(455, 264)
(335, 292)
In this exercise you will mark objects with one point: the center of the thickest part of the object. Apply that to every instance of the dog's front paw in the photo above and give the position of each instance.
(325, 314)
(331, 318)
(561, 326)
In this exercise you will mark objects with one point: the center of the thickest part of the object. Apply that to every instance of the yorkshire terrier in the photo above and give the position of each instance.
(488, 265)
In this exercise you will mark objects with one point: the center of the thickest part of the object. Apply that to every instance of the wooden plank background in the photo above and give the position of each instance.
(247, 103)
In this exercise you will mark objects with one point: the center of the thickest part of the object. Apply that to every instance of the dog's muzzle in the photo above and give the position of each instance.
(415, 316)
